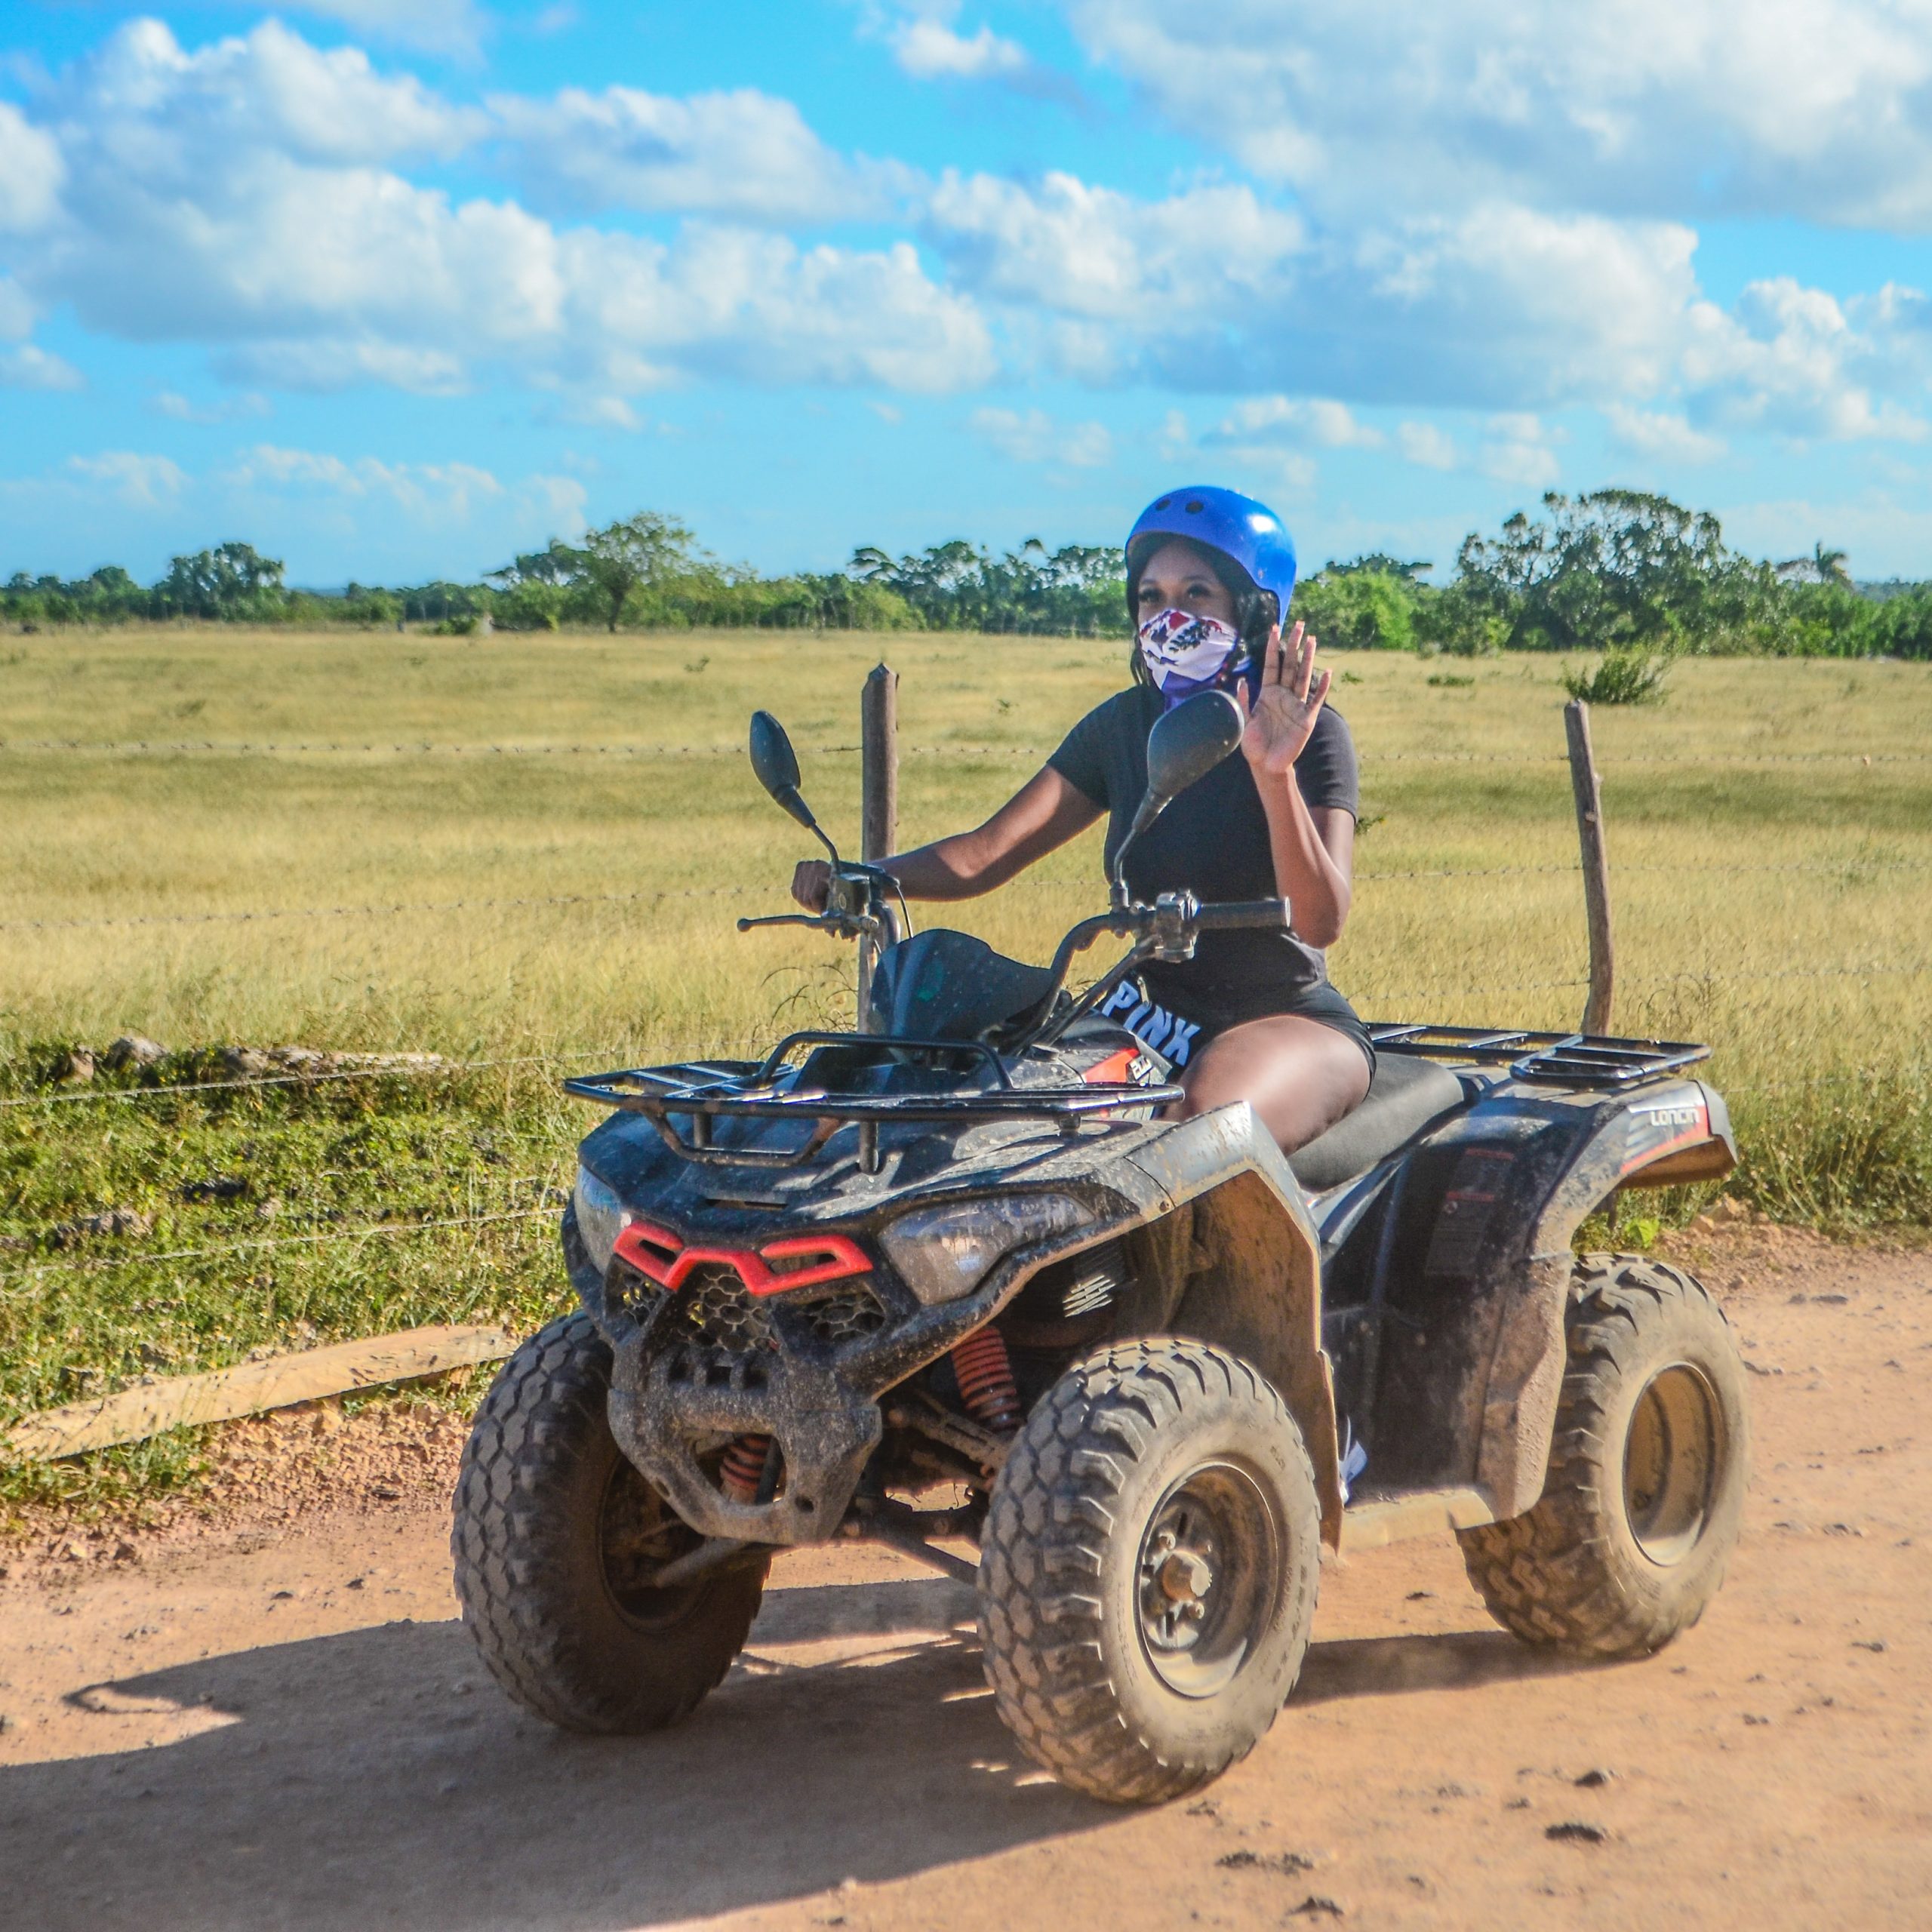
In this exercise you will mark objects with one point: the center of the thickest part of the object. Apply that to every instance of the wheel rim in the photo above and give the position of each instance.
(637, 1533)
(1671, 1460)
(1207, 1577)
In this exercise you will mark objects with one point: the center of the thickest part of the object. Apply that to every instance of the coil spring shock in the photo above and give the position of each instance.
(742, 1471)
(986, 1385)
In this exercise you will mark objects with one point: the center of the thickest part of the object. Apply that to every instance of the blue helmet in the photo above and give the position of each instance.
(1248, 534)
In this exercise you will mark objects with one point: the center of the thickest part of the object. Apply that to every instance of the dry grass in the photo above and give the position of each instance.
(1690, 791)
(1755, 857)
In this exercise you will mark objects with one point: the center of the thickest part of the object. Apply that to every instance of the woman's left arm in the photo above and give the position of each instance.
(1312, 848)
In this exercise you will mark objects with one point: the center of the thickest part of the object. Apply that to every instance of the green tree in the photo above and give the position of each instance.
(1357, 610)
(640, 553)
(233, 580)
(1614, 568)
(1377, 563)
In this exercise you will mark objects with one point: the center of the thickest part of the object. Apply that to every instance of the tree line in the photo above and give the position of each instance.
(1618, 571)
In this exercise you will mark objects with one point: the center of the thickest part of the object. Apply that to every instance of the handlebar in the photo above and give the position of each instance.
(1235, 914)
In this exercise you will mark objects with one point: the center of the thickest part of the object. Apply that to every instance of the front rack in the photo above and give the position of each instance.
(702, 1091)
(1564, 1059)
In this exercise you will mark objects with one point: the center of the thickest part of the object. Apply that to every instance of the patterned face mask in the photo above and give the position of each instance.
(1184, 654)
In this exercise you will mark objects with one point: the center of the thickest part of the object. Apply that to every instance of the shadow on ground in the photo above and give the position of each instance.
(379, 1779)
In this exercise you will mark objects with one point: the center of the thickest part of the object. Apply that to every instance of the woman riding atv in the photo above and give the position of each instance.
(1252, 1016)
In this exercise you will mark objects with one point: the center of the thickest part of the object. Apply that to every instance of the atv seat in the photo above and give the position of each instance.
(1406, 1095)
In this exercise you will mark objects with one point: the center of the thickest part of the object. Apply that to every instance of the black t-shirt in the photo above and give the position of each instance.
(1213, 840)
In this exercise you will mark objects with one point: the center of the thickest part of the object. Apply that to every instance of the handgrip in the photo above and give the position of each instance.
(1272, 914)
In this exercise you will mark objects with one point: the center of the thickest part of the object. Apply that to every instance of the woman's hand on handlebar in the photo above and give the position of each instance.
(811, 884)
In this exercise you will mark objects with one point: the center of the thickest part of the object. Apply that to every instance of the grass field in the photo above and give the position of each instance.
(1770, 836)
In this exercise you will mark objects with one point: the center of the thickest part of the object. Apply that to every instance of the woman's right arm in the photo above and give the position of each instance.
(1046, 812)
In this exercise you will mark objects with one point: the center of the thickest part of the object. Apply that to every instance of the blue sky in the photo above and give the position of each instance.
(393, 288)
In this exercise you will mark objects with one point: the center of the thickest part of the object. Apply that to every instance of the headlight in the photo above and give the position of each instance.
(941, 1252)
(600, 1217)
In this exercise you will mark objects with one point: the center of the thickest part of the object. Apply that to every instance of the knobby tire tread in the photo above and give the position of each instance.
(1542, 1574)
(546, 1410)
(1044, 1548)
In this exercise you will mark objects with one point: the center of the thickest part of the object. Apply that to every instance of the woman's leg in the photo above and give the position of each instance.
(1299, 1076)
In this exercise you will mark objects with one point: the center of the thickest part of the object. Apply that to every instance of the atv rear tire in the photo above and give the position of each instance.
(1148, 1574)
(1647, 1473)
(554, 1533)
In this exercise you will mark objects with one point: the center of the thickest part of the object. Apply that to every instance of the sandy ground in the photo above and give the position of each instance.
(275, 1720)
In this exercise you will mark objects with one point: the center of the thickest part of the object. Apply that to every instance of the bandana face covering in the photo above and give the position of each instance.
(1184, 654)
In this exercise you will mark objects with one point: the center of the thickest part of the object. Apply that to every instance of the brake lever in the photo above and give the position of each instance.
(845, 925)
(782, 919)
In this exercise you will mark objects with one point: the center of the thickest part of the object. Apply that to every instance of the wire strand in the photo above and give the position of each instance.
(343, 1236)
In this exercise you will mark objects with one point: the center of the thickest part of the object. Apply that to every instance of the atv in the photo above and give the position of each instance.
(957, 1274)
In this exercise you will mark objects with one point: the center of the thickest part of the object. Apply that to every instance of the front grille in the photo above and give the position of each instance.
(842, 1311)
(716, 1309)
(714, 1324)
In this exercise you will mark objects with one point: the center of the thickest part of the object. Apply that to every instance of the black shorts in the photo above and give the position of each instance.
(1173, 1015)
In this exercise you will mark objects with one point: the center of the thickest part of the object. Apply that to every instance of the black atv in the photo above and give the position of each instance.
(959, 1255)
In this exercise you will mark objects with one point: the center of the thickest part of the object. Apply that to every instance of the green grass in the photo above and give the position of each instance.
(1755, 857)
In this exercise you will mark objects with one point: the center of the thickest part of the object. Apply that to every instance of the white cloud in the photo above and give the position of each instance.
(436, 27)
(746, 155)
(1811, 108)
(253, 196)
(30, 172)
(142, 482)
(1214, 289)
(604, 412)
(1505, 304)
(172, 404)
(209, 198)
(1036, 437)
(928, 50)
(321, 365)
(928, 44)
(144, 104)
(1426, 445)
(446, 491)
(16, 312)
(1295, 421)
(1660, 434)
(723, 302)
(1518, 450)
(1796, 361)
(27, 368)
(1094, 253)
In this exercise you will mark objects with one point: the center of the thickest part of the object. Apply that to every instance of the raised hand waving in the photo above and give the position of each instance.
(1282, 718)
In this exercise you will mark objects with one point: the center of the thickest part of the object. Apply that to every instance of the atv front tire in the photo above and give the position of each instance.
(1148, 1573)
(555, 1535)
(1646, 1477)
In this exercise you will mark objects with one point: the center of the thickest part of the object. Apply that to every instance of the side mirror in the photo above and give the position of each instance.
(776, 766)
(1185, 744)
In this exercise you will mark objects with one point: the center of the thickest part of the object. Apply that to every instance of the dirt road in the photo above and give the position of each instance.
(249, 1729)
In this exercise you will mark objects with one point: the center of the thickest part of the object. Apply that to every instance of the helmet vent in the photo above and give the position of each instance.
(1194, 507)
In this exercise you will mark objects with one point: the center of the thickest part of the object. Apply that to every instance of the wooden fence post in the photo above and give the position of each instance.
(878, 818)
(1588, 794)
(879, 718)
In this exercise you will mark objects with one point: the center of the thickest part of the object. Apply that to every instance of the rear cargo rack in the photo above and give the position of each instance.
(701, 1092)
(1562, 1059)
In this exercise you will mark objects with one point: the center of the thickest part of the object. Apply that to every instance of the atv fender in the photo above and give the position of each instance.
(1473, 1357)
(1250, 1283)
